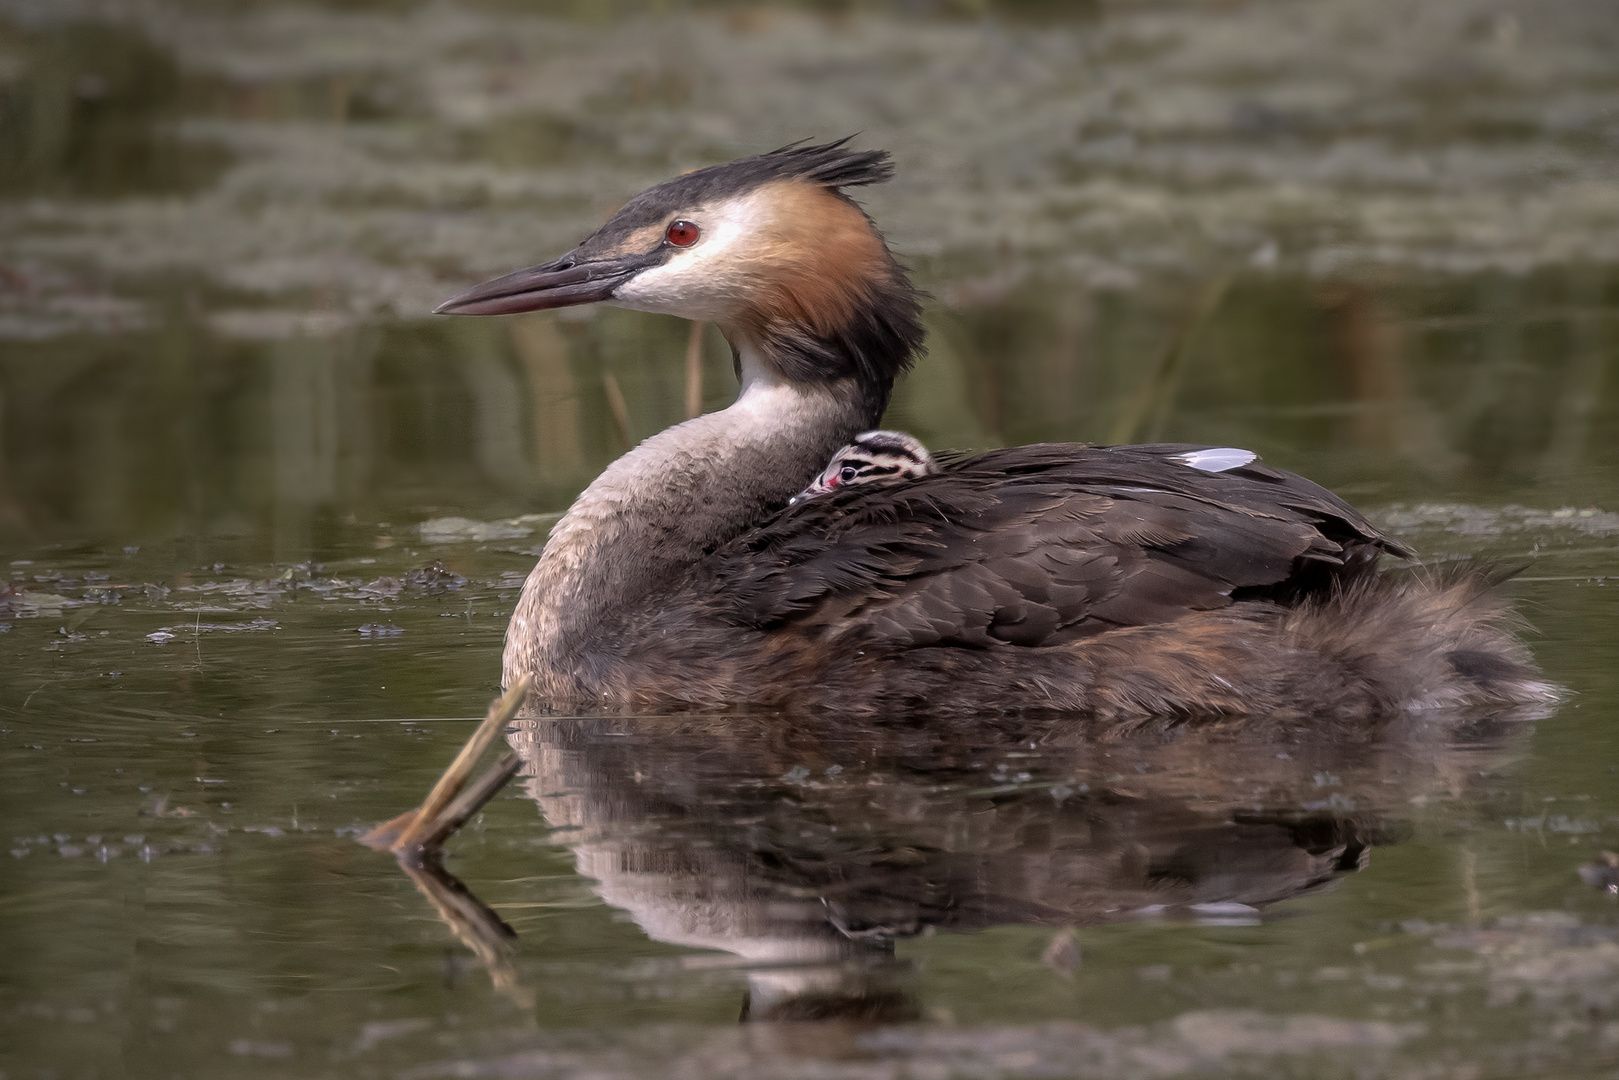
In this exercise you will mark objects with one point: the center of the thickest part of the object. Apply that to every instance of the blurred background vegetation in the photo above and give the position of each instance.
(1372, 240)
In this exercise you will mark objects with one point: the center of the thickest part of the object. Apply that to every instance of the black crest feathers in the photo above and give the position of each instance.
(831, 165)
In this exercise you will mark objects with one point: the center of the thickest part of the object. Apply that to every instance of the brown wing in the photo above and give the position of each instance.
(1038, 545)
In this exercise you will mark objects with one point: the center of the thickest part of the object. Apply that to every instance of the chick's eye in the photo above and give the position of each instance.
(847, 474)
(683, 233)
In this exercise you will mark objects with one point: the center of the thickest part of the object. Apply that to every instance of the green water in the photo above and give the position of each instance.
(263, 520)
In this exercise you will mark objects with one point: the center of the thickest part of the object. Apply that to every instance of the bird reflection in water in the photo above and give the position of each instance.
(808, 849)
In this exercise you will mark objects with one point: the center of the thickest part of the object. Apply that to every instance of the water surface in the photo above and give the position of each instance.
(263, 521)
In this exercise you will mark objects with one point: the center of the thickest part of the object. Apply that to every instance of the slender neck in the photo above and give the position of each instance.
(637, 531)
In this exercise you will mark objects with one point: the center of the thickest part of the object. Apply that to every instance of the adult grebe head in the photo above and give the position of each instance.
(769, 247)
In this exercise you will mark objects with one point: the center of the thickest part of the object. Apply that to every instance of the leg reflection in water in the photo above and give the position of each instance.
(473, 922)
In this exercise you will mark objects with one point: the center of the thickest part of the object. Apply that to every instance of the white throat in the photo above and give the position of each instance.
(661, 508)
(769, 409)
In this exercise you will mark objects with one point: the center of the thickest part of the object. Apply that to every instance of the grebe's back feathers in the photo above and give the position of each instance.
(1042, 545)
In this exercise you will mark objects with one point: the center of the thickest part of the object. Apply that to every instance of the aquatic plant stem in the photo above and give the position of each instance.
(618, 407)
(1149, 409)
(694, 371)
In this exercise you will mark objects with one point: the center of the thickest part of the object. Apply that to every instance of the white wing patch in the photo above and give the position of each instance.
(1216, 459)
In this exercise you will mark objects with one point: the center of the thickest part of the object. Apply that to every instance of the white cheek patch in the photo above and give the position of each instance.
(1216, 459)
(696, 282)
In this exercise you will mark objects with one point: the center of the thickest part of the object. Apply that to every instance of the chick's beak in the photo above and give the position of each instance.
(819, 487)
(572, 279)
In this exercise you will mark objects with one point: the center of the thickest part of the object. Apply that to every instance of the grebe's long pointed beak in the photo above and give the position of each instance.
(572, 279)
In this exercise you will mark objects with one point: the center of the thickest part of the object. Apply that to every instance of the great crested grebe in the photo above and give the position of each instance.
(873, 457)
(1120, 582)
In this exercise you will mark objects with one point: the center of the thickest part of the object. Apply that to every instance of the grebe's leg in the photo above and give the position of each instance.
(410, 831)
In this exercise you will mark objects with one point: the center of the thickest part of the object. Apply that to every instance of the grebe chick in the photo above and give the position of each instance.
(1120, 583)
(873, 456)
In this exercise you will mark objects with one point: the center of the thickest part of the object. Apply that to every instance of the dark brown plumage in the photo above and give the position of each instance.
(1123, 582)
(1041, 545)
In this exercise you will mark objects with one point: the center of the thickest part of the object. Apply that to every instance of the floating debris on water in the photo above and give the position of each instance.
(169, 633)
(434, 577)
(383, 586)
(29, 604)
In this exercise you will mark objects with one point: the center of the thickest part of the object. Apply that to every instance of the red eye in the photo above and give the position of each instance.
(683, 233)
